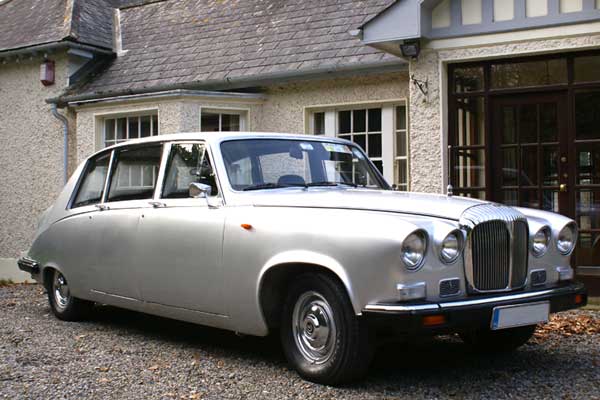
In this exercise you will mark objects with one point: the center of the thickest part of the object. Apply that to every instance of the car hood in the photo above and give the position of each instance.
(433, 205)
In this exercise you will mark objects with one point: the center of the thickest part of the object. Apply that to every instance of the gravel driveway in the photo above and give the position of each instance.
(125, 355)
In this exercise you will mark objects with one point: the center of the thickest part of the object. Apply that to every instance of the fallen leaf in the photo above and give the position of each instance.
(154, 368)
(103, 369)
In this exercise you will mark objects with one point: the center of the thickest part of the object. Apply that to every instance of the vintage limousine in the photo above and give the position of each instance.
(259, 232)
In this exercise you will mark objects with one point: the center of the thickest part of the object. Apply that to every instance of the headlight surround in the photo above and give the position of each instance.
(565, 242)
(451, 247)
(414, 249)
(540, 241)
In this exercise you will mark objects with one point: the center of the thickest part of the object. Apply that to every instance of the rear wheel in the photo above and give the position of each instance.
(500, 341)
(322, 337)
(63, 304)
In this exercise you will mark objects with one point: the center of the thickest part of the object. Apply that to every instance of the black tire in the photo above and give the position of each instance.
(64, 306)
(350, 348)
(500, 341)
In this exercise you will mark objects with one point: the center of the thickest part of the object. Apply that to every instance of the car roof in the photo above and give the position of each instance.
(217, 137)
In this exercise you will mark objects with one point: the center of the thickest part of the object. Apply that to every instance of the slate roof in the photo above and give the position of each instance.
(177, 42)
(25, 23)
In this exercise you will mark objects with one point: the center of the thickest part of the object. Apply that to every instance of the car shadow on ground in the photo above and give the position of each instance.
(442, 363)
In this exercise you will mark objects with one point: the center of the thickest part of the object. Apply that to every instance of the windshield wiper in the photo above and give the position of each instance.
(272, 185)
(331, 183)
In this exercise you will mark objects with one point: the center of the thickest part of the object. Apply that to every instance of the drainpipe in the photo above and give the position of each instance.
(65, 123)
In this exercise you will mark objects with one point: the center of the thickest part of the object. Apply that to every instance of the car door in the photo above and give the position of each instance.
(130, 191)
(180, 239)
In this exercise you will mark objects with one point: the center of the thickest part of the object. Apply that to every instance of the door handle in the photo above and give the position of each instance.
(563, 187)
(157, 204)
(101, 207)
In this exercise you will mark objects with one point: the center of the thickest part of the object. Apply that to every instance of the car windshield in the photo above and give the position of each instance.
(254, 164)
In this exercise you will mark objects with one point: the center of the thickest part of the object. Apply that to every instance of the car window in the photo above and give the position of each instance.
(134, 177)
(188, 163)
(91, 188)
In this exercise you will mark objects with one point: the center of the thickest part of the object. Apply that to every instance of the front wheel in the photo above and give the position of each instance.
(322, 337)
(500, 341)
(64, 306)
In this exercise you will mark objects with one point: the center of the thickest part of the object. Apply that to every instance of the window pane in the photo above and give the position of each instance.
(550, 200)
(402, 174)
(587, 69)
(145, 126)
(135, 161)
(529, 73)
(379, 165)
(510, 198)
(468, 79)
(401, 146)
(587, 115)
(374, 145)
(122, 129)
(548, 122)
(529, 198)
(529, 166)
(361, 140)
(510, 168)
(375, 120)
(470, 122)
(550, 165)
(401, 117)
(318, 123)
(155, 125)
(344, 125)
(134, 127)
(469, 168)
(588, 164)
(509, 125)
(359, 119)
(588, 204)
(109, 129)
(230, 122)
(209, 122)
(528, 123)
(92, 185)
(188, 163)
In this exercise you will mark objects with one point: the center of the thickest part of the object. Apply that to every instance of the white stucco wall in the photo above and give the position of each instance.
(31, 143)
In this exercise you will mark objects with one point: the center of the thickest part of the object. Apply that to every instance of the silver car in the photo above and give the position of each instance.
(257, 233)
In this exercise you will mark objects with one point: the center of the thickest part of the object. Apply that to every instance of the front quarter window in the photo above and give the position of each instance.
(188, 163)
(274, 163)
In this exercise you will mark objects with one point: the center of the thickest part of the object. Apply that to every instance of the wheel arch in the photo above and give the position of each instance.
(277, 274)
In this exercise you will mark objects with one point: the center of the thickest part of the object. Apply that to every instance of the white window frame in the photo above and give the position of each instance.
(102, 118)
(244, 114)
(389, 132)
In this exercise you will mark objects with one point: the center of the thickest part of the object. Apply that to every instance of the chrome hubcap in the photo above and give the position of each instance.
(314, 327)
(60, 290)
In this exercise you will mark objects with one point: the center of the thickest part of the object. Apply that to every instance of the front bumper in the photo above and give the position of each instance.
(471, 313)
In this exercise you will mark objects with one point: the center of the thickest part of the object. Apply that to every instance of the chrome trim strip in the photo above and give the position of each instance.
(402, 308)
(471, 302)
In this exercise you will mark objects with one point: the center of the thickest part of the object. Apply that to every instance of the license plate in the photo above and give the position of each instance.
(520, 315)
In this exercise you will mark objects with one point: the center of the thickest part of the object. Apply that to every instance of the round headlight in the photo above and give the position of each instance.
(451, 247)
(541, 239)
(566, 239)
(413, 250)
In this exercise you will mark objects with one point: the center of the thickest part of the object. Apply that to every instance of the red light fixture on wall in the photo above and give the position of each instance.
(47, 73)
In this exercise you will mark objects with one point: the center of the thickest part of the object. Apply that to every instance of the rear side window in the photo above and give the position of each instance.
(135, 173)
(92, 185)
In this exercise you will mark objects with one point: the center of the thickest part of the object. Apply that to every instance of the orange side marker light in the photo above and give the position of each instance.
(246, 226)
(578, 298)
(434, 320)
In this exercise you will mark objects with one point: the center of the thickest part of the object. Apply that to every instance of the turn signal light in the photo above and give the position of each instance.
(578, 298)
(434, 320)
(246, 226)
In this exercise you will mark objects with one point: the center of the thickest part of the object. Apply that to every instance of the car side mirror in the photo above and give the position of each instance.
(199, 190)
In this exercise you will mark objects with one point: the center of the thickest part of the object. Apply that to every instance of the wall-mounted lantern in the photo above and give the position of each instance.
(410, 48)
(47, 73)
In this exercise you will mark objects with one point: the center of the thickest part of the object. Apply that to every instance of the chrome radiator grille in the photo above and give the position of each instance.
(497, 248)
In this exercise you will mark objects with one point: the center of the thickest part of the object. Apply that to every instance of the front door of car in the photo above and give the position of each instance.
(130, 190)
(180, 239)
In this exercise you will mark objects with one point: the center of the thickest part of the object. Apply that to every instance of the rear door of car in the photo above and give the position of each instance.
(129, 192)
(180, 238)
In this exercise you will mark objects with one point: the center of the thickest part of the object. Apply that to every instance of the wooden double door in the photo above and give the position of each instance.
(545, 153)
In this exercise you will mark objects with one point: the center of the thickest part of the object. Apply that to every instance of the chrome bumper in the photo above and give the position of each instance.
(570, 289)
(28, 265)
